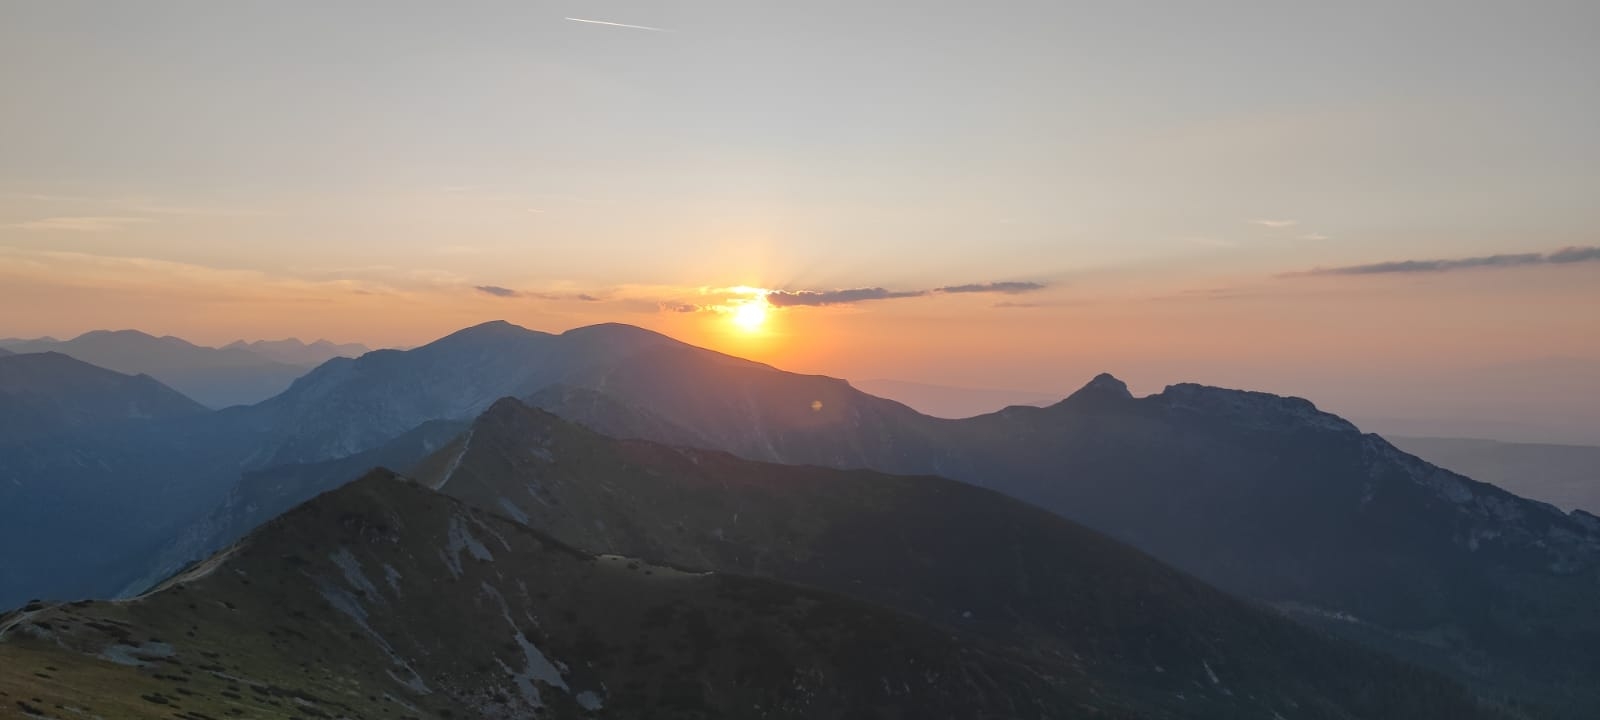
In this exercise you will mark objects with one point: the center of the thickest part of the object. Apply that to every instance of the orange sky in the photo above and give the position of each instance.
(1077, 192)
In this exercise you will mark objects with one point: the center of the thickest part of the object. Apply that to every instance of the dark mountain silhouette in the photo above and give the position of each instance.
(261, 495)
(44, 394)
(347, 406)
(213, 377)
(962, 557)
(1263, 496)
(384, 598)
(126, 502)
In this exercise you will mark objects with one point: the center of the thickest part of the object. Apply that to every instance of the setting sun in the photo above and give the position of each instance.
(750, 316)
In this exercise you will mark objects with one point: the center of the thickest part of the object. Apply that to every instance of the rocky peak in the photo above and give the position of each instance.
(1257, 410)
(1103, 390)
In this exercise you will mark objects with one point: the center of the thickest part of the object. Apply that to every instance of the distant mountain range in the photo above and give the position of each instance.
(1567, 476)
(1263, 496)
(45, 394)
(944, 401)
(338, 609)
(213, 377)
(295, 352)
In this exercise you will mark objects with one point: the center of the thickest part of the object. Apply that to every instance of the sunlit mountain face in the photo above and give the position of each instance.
(808, 360)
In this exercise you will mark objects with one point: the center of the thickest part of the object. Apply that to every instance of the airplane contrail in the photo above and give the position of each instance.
(620, 25)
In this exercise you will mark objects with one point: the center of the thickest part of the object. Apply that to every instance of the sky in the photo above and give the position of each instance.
(1387, 207)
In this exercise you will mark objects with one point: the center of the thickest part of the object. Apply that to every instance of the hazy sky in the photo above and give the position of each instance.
(1039, 190)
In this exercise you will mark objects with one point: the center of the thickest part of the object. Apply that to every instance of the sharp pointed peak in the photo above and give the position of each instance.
(1103, 388)
(1108, 383)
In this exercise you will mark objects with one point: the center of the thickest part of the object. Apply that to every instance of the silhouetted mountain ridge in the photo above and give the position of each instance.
(46, 394)
(960, 556)
(338, 609)
(295, 352)
(213, 377)
(1264, 496)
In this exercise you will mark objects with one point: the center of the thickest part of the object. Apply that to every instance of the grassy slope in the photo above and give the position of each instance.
(962, 557)
(383, 599)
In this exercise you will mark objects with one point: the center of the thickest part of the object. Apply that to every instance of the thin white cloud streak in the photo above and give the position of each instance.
(620, 25)
(81, 223)
(1275, 223)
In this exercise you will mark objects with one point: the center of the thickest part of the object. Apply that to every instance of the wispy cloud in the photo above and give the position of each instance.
(81, 223)
(1563, 256)
(1275, 223)
(1574, 254)
(620, 25)
(1007, 288)
(849, 296)
(785, 298)
(505, 292)
(1314, 237)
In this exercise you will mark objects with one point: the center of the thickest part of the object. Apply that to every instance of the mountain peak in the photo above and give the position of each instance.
(1105, 388)
(521, 419)
(1108, 383)
(617, 331)
(492, 331)
(493, 326)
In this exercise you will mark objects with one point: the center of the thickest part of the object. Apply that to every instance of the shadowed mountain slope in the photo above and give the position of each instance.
(1262, 495)
(383, 598)
(261, 495)
(44, 394)
(1567, 476)
(965, 558)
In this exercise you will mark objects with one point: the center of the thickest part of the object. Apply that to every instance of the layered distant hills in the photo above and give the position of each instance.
(45, 394)
(238, 374)
(295, 352)
(1263, 496)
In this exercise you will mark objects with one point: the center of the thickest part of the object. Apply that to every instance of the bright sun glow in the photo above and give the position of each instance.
(750, 316)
